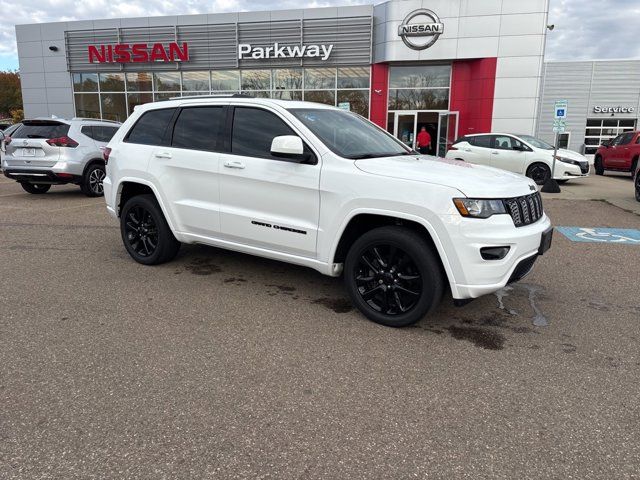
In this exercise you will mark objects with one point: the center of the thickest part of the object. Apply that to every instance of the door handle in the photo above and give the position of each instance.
(495, 153)
(233, 164)
(467, 149)
(162, 155)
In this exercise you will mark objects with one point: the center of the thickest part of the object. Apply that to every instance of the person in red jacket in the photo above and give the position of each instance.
(423, 141)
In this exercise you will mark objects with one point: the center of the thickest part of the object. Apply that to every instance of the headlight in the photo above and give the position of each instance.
(568, 160)
(470, 207)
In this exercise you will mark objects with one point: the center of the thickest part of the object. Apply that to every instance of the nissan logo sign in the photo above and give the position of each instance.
(420, 29)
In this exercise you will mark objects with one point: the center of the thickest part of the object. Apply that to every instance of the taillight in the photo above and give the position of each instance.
(106, 151)
(63, 142)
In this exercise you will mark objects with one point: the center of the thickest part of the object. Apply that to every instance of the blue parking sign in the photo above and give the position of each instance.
(625, 236)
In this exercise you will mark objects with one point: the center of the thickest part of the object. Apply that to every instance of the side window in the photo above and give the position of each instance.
(253, 131)
(150, 127)
(87, 130)
(638, 140)
(626, 138)
(483, 141)
(502, 142)
(617, 140)
(104, 134)
(198, 128)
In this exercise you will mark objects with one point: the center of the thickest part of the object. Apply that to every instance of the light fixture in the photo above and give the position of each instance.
(53, 48)
(551, 27)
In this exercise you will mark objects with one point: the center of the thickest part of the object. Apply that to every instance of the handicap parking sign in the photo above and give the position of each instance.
(601, 235)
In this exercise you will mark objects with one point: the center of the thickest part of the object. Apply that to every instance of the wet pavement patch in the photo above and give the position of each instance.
(480, 337)
(338, 305)
(202, 266)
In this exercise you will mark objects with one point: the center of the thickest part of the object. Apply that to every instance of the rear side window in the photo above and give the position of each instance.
(483, 141)
(104, 134)
(253, 131)
(198, 128)
(461, 139)
(150, 127)
(41, 130)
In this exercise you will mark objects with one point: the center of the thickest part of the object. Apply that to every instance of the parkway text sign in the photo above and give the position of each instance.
(246, 50)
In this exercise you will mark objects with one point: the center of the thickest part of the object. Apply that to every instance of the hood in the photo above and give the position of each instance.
(474, 181)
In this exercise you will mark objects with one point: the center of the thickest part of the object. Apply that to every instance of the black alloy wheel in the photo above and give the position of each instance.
(92, 182)
(35, 188)
(145, 232)
(393, 276)
(539, 173)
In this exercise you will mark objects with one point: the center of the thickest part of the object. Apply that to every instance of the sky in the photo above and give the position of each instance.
(584, 29)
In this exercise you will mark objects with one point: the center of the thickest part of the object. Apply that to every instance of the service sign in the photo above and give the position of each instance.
(139, 53)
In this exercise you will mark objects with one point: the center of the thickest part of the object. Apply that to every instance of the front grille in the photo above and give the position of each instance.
(525, 210)
(522, 269)
(584, 167)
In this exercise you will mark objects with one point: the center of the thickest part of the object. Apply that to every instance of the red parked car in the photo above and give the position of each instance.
(620, 154)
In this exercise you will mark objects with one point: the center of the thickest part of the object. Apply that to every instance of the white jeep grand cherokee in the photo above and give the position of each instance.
(317, 186)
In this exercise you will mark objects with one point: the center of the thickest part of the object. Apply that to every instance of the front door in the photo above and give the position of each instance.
(267, 201)
(447, 132)
(405, 129)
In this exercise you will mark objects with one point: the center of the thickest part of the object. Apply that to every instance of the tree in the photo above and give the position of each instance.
(10, 93)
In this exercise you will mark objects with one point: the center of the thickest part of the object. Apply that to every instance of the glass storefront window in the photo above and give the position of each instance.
(112, 82)
(256, 79)
(139, 82)
(114, 106)
(353, 77)
(287, 79)
(196, 81)
(327, 97)
(85, 82)
(288, 94)
(260, 94)
(87, 105)
(425, 76)
(157, 96)
(135, 99)
(225, 80)
(319, 78)
(358, 101)
(166, 81)
(418, 99)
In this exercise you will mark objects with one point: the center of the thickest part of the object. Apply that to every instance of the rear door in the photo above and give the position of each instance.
(267, 201)
(188, 168)
(477, 150)
(29, 148)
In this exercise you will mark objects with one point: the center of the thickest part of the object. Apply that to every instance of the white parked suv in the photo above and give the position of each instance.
(317, 186)
(54, 151)
(522, 154)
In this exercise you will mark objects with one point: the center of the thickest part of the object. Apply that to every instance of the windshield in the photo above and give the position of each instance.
(536, 142)
(350, 135)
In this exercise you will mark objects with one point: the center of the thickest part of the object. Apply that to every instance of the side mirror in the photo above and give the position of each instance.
(288, 146)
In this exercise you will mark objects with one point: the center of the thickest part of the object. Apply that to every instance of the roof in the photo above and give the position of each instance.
(214, 99)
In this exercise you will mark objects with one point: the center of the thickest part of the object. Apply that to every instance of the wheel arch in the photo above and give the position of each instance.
(91, 162)
(359, 222)
(128, 188)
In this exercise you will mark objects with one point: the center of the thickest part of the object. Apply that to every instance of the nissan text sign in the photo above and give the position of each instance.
(139, 53)
(420, 24)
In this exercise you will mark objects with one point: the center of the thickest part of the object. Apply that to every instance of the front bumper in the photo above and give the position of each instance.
(44, 176)
(474, 276)
(565, 171)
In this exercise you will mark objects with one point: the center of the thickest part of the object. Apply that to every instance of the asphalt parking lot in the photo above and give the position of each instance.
(221, 365)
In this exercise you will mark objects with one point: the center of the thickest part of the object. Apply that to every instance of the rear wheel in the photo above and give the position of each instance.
(539, 173)
(145, 232)
(91, 184)
(35, 188)
(598, 166)
(393, 277)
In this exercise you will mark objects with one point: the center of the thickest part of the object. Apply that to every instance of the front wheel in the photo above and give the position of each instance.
(598, 166)
(145, 232)
(539, 173)
(393, 276)
(637, 184)
(35, 188)
(91, 184)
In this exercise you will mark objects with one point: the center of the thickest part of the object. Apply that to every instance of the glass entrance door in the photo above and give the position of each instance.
(405, 128)
(447, 131)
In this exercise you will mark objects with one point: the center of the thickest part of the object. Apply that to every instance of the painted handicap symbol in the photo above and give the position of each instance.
(601, 235)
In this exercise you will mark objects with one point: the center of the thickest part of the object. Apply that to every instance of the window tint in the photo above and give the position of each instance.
(462, 139)
(617, 140)
(87, 130)
(41, 130)
(198, 128)
(104, 134)
(504, 142)
(626, 138)
(150, 128)
(253, 131)
(483, 141)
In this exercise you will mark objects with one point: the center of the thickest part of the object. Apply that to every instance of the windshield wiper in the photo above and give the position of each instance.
(379, 155)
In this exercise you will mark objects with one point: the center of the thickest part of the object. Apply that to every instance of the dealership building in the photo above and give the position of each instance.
(453, 66)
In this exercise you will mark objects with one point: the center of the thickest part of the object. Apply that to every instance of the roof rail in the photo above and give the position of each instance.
(222, 95)
(95, 120)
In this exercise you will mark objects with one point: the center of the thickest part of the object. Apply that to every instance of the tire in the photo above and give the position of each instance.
(35, 188)
(598, 165)
(539, 173)
(145, 232)
(404, 260)
(92, 179)
(634, 167)
(637, 185)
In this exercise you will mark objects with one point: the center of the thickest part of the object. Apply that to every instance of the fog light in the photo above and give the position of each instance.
(494, 253)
